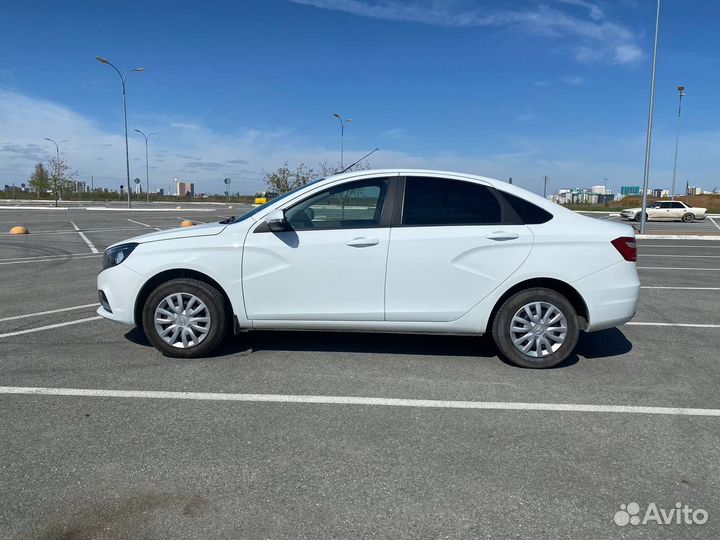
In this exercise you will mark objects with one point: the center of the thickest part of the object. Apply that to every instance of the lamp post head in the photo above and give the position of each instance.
(136, 129)
(681, 88)
(348, 120)
(139, 69)
(101, 60)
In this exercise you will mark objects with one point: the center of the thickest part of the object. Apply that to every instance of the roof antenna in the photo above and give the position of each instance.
(359, 160)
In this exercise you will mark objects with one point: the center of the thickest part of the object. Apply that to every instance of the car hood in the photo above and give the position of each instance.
(208, 229)
(631, 209)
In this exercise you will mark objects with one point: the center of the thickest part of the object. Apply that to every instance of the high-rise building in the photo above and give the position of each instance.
(185, 189)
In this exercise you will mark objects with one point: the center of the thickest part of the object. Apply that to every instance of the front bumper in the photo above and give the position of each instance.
(121, 286)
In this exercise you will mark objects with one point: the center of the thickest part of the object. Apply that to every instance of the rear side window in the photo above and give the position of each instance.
(440, 201)
(677, 205)
(528, 213)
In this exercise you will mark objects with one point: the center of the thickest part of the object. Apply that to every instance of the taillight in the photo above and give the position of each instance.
(627, 247)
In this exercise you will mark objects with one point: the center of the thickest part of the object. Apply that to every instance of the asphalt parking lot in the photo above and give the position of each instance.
(143, 446)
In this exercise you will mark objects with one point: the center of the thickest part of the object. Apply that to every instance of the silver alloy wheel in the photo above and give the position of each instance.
(538, 329)
(182, 320)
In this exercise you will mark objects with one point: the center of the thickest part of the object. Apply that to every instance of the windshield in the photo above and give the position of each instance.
(273, 201)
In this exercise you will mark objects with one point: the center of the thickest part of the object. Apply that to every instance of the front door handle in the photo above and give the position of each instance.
(502, 235)
(362, 242)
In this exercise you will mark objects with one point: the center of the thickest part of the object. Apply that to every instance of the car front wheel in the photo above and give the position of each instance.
(536, 328)
(185, 318)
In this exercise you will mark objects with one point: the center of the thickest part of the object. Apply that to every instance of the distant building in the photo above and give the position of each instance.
(185, 189)
(629, 190)
(691, 190)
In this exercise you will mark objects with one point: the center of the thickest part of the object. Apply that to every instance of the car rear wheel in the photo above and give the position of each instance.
(185, 318)
(688, 217)
(536, 328)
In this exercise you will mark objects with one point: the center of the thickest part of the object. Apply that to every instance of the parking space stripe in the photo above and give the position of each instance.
(352, 400)
(144, 224)
(714, 223)
(685, 288)
(680, 256)
(48, 312)
(51, 258)
(668, 268)
(678, 325)
(49, 327)
(82, 235)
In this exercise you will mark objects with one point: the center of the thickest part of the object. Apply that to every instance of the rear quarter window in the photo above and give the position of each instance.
(529, 213)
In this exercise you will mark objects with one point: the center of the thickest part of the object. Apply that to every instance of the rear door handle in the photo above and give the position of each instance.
(362, 242)
(502, 235)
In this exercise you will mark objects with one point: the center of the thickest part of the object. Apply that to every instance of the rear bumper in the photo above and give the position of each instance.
(611, 295)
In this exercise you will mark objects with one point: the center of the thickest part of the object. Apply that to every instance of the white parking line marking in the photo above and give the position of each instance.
(678, 325)
(88, 242)
(351, 400)
(48, 312)
(685, 288)
(113, 229)
(50, 258)
(82, 235)
(694, 246)
(50, 327)
(139, 223)
(714, 223)
(679, 256)
(665, 268)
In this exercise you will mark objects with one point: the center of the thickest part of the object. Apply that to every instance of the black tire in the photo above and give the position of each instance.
(638, 217)
(501, 328)
(216, 311)
(688, 217)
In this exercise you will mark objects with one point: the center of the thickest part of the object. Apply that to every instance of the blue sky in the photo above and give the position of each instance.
(235, 89)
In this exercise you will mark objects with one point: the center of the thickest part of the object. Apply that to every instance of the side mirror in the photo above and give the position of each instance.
(276, 221)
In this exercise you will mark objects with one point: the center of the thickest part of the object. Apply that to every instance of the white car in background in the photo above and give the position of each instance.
(408, 251)
(666, 211)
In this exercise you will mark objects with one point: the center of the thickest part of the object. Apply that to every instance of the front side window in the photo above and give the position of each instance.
(440, 201)
(353, 205)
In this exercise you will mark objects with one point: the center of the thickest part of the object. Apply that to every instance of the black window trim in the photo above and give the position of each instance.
(508, 216)
(385, 217)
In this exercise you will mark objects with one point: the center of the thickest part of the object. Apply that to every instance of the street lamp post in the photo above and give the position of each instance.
(127, 150)
(147, 167)
(57, 166)
(342, 137)
(681, 93)
(648, 141)
(545, 187)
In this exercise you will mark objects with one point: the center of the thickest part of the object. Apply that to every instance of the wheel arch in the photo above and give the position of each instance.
(567, 290)
(175, 273)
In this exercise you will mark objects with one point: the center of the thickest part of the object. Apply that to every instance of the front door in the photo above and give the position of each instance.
(330, 266)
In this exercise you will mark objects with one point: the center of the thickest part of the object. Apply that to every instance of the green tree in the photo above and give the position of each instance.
(60, 176)
(284, 179)
(40, 179)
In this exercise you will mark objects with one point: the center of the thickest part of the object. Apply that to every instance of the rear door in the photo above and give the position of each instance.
(449, 248)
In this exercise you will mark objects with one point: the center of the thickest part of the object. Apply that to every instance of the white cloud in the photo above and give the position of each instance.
(573, 80)
(200, 154)
(592, 37)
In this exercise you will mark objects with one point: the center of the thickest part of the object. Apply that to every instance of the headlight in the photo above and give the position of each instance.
(116, 255)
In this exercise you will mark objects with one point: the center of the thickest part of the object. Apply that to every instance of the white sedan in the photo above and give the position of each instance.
(666, 211)
(407, 251)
